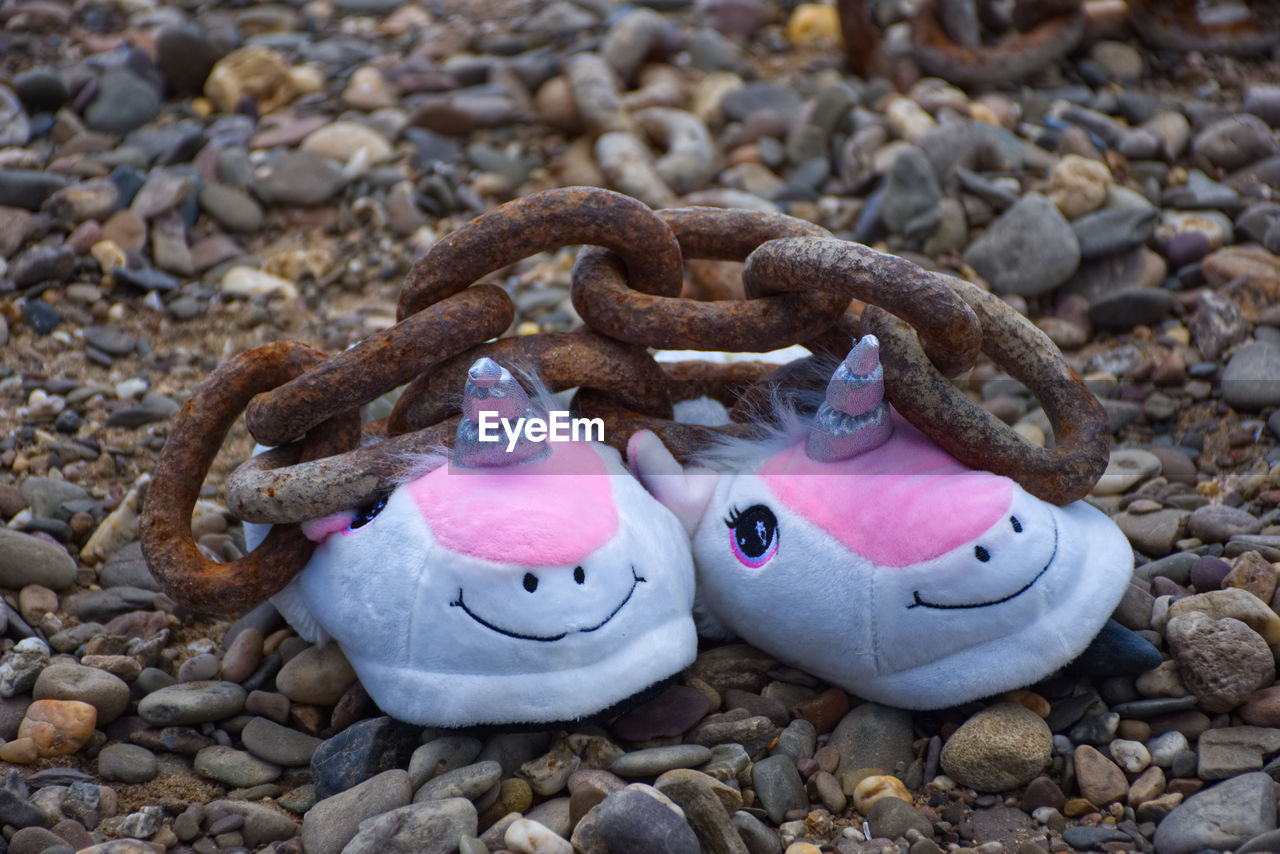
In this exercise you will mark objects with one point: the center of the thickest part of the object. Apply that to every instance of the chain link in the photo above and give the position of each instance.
(627, 285)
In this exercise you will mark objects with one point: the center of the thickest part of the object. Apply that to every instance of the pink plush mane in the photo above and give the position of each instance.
(551, 512)
(901, 503)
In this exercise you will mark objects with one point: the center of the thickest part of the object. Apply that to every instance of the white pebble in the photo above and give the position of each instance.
(248, 282)
(1132, 756)
(1043, 814)
(1166, 746)
(131, 388)
(525, 836)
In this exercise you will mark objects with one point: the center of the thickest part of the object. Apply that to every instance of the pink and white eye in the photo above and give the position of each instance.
(753, 535)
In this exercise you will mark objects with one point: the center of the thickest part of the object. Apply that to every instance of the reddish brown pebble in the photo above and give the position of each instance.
(825, 710)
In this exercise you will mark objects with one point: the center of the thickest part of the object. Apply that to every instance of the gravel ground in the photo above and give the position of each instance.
(182, 182)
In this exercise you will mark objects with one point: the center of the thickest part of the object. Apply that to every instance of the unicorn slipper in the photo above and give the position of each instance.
(515, 582)
(853, 547)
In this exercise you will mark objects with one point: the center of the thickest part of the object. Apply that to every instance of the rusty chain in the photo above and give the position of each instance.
(802, 286)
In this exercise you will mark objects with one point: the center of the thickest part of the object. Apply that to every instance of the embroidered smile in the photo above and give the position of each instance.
(922, 602)
(635, 582)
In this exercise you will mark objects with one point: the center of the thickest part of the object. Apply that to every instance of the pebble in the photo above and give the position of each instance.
(655, 760)
(233, 209)
(124, 102)
(635, 820)
(1220, 817)
(1078, 185)
(910, 206)
(1126, 468)
(1000, 748)
(707, 805)
(669, 714)
(469, 781)
(1100, 781)
(1221, 661)
(344, 140)
(109, 695)
(278, 744)
(1155, 533)
(300, 178)
(127, 763)
(1235, 142)
(1248, 382)
(246, 282)
(333, 822)
(361, 751)
(58, 727)
(235, 767)
(319, 675)
(890, 818)
(192, 703)
(874, 736)
(431, 827)
(778, 786)
(1029, 250)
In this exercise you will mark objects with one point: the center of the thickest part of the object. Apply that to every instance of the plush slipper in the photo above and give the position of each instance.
(530, 582)
(851, 546)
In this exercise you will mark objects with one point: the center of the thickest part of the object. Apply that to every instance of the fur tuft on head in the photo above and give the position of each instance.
(781, 422)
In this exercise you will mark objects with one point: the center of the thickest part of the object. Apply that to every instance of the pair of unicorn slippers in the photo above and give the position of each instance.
(523, 582)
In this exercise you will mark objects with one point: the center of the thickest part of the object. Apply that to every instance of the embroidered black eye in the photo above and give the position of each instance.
(530, 582)
(366, 514)
(755, 534)
(1017, 526)
(981, 554)
(579, 574)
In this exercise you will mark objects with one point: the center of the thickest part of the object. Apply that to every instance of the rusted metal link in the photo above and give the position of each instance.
(683, 440)
(561, 360)
(1176, 25)
(948, 328)
(380, 363)
(198, 431)
(975, 437)
(603, 296)
(1018, 56)
(725, 383)
(274, 487)
(541, 222)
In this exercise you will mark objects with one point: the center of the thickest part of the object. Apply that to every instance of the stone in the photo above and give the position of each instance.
(1126, 468)
(368, 90)
(875, 787)
(431, 827)
(333, 822)
(28, 188)
(232, 208)
(1263, 708)
(1078, 185)
(1235, 603)
(911, 196)
(254, 72)
(248, 283)
(1230, 751)
(1000, 748)
(778, 786)
(890, 818)
(1029, 250)
(280, 745)
(707, 804)
(1217, 523)
(109, 695)
(41, 90)
(42, 264)
(235, 767)
(93, 199)
(441, 755)
(1111, 231)
(344, 140)
(524, 836)
(1220, 817)
(1251, 380)
(655, 760)
(874, 736)
(1100, 781)
(300, 178)
(635, 820)
(1235, 142)
(127, 763)
(1155, 533)
(670, 713)
(469, 781)
(21, 668)
(1221, 661)
(192, 703)
(124, 102)
(58, 727)
(362, 750)
(185, 54)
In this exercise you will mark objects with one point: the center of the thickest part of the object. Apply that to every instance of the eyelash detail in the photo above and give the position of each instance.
(734, 515)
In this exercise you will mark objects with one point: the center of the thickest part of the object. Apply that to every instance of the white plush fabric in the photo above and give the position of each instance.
(913, 633)
(452, 640)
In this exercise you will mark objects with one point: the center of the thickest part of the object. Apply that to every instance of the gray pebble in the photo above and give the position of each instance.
(124, 102)
(778, 786)
(278, 744)
(1251, 379)
(1221, 817)
(469, 781)
(1029, 250)
(68, 681)
(332, 822)
(235, 767)
(127, 763)
(299, 178)
(654, 760)
(431, 827)
(192, 703)
(441, 755)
